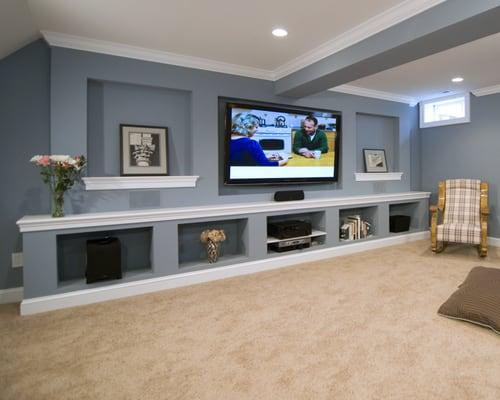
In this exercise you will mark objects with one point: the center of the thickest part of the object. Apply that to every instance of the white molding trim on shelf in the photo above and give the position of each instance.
(36, 223)
(120, 290)
(376, 94)
(376, 24)
(377, 176)
(486, 91)
(138, 182)
(11, 295)
(140, 53)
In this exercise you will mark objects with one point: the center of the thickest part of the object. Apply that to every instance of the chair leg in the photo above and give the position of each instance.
(482, 250)
(439, 247)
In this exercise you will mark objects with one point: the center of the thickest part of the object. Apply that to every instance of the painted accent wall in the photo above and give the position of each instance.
(90, 94)
(24, 129)
(466, 151)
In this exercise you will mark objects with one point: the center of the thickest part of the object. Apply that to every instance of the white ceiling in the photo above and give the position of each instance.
(236, 33)
(231, 31)
(478, 62)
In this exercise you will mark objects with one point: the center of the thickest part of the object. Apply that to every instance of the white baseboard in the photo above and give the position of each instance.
(11, 295)
(116, 291)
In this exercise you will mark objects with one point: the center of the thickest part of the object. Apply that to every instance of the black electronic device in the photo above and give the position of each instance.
(289, 229)
(103, 259)
(289, 195)
(291, 244)
(276, 129)
(399, 223)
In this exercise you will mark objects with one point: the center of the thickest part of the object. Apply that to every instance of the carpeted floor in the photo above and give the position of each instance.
(362, 326)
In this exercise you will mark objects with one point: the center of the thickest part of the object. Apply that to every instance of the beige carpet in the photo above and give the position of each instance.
(362, 326)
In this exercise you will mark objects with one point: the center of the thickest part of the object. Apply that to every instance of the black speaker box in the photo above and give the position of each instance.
(289, 195)
(103, 259)
(399, 223)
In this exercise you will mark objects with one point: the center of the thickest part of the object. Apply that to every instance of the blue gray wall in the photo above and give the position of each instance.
(466, 151)
(24, 129)
(91, 94)
(80, 112)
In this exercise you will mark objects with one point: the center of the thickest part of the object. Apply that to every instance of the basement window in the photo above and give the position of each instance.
(447, 110)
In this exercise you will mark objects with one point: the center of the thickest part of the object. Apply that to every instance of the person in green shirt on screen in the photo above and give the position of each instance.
(309, 138)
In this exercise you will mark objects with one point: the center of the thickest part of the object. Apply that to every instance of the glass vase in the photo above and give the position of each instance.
(213, 251)
(58, 204)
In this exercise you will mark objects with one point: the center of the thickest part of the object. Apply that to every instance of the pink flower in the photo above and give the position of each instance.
(44, 161)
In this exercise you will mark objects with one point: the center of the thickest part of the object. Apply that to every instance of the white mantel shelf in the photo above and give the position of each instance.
(377, 176)
(138, 182)
(37, 223)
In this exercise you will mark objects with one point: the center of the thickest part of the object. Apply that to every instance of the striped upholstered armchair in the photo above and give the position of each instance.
(461, 215)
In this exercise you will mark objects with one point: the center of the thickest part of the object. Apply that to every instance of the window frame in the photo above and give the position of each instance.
(465, 119)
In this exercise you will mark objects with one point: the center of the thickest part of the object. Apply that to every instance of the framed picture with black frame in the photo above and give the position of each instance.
(143, 150)
(375, 160)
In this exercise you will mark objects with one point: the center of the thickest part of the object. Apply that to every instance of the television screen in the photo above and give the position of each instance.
(272, 145)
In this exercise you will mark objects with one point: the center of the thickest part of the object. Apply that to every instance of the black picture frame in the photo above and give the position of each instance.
(375, 160)
(143, 150)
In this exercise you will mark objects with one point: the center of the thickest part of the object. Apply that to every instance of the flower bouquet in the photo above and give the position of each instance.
(60, 172)
(212, 238)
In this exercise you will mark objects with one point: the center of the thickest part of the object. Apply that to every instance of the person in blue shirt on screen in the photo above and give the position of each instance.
(243, 151)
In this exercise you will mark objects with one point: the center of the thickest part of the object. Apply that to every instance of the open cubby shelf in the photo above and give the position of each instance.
(193, 254)
(366, 213)
(135, 246)
(412, 209)
(317, 236)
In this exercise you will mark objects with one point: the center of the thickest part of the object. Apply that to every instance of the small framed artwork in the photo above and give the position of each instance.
(375, 160)
(144, 150)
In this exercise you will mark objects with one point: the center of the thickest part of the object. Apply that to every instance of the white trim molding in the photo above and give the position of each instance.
(140, 53)
(376, 94)
(486, 91)
(376, 24)
(377, 176)
(138, 182)
(11, 295)
(116, 291)
(372, 26)
(38, 223)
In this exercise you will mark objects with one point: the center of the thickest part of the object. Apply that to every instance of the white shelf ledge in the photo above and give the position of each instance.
(377, 176)
(138, 182)
(37, 223)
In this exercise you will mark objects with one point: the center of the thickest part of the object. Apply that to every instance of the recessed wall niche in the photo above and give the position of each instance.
(110, 104)
(377, 132)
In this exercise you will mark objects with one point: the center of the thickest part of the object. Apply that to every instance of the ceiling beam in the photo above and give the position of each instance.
(442, 27)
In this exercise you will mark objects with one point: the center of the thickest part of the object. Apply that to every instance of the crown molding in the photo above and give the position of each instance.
(486, 91)
(376, 94)
(140, 53)
(376, 24)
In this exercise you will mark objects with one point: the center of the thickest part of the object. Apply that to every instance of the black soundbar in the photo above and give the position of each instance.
(289, 195)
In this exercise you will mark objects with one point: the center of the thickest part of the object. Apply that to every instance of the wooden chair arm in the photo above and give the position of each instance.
(485, 211)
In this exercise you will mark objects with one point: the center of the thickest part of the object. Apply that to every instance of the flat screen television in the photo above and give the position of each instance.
(280, 144)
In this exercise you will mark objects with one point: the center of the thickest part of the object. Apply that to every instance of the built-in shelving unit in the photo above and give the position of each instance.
(161, 248)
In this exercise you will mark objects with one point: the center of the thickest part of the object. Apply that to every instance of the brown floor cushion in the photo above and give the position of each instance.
(477, 300)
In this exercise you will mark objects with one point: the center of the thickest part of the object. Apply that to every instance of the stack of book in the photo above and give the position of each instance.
(354, 227)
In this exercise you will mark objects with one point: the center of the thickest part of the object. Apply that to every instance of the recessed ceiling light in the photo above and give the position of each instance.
(457, 79)
(279, 32)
